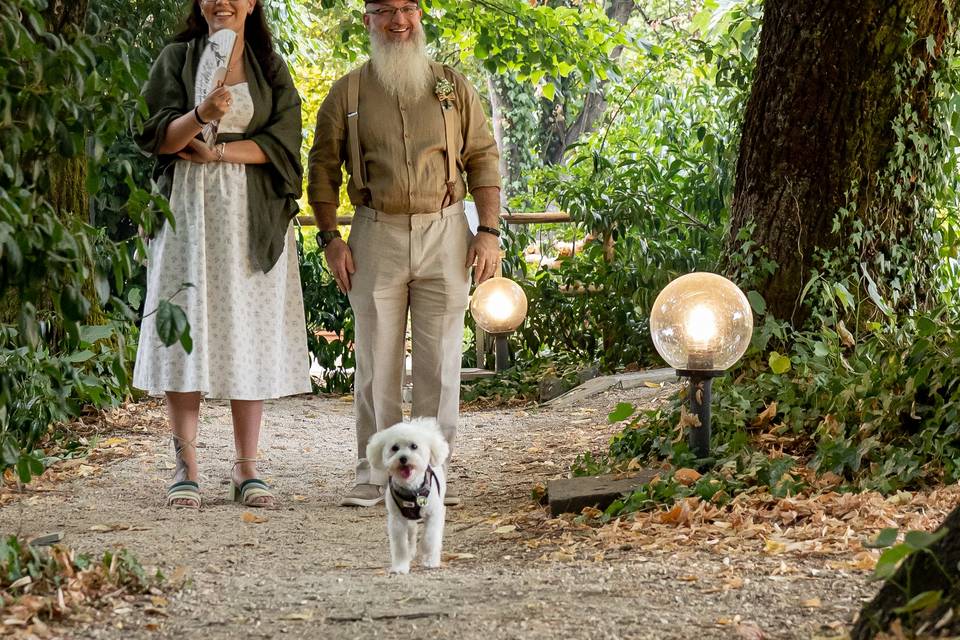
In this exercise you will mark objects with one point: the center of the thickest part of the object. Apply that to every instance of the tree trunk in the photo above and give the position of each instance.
(68, 176)
(64, 14)
(502, 111)
(919, 573)
(558, 135)
(818, 131)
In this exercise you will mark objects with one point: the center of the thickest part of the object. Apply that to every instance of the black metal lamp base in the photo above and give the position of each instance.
(701, 389)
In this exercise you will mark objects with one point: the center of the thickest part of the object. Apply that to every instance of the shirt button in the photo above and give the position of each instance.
(409, 163)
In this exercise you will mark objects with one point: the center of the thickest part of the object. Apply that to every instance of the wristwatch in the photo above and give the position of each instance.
(326, 237)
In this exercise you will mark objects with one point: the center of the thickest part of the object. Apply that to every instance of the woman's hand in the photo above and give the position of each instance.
(198, 151)
(216, 104)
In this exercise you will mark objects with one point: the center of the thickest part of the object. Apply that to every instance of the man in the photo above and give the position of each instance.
(407, 129)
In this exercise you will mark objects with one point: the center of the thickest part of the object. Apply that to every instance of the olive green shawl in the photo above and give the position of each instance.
(272, 188)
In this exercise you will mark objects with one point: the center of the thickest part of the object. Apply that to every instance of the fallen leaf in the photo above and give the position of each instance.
(686, 477)
(252, 518)
(16, 584)
(101, 528)
(774, 546)
(297, 498)
(507, 528)
(811, 603)
(765, 417)
(845, 336)
(652, 385)
(113, 442)
(687, 419)
(749, 631)
(735, 582)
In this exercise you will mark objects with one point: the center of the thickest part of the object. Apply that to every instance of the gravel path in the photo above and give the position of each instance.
(315, 570)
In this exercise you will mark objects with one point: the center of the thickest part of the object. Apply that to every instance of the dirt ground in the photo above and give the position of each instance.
(316, 570)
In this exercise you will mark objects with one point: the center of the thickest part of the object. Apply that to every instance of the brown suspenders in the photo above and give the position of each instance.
(353, 116)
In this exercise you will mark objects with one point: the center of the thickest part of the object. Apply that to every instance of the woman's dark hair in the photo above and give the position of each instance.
(256, 34)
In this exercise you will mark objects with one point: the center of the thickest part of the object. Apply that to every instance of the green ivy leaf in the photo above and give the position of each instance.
(171, 322)
(885, 538)
(549, 90)
(622, 411)
(9, 451)
(918, 540)
(921, 601)
(757, 302)
(779, 364)
(887, 564)
(843, 295)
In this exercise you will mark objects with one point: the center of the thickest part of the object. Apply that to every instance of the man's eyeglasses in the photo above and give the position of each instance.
(390, 12)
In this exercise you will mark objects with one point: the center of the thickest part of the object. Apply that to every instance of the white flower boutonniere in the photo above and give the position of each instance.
(444, 91)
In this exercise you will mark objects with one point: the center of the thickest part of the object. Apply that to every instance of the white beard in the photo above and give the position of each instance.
(403, 68)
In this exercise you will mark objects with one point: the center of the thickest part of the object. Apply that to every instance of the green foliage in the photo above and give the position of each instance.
(64, 98)
(327, 310)
(542, 44)
(521, 383)
(877, 411)
(920, 600)
(53, 573)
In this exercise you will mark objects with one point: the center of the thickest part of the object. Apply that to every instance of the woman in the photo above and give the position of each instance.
(230, 261)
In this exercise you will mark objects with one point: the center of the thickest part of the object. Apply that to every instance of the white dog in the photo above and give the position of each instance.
(412, 453)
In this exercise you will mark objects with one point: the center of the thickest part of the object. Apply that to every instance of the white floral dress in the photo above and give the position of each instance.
(248, 330)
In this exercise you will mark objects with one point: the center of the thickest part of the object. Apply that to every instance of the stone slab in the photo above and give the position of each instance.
(571, 495)
(605, 383)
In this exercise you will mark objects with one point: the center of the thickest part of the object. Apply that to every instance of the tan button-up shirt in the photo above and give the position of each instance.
(403, 145)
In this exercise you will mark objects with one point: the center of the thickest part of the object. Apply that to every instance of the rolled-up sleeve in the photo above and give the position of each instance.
(479, 155)
(326, 157)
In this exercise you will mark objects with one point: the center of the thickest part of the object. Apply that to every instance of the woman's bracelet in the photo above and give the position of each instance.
(196, 114)
(220, 149)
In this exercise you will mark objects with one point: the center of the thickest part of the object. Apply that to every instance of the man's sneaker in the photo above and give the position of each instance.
(452, 497)
(363, 495)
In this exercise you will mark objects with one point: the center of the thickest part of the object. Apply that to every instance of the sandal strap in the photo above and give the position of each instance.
(184, 490)
(183, 483)
(183, 442)
(252, 481)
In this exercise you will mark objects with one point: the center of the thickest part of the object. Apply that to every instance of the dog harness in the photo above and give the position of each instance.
(410, 502)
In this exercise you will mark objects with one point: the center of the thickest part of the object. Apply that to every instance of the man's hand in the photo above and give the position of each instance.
(340, 262)
(485, 252)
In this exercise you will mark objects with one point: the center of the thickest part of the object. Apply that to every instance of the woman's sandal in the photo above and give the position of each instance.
(187, 492)
(248, 491)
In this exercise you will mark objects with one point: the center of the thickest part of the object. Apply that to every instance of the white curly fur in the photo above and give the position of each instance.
(404, 451)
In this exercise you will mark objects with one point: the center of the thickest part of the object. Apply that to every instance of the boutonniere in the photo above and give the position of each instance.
(444, 91)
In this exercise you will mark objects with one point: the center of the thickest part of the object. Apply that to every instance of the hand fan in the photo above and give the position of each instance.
(211, 73)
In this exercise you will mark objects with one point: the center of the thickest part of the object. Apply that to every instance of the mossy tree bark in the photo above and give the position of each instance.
(818, 131)
(935, 570)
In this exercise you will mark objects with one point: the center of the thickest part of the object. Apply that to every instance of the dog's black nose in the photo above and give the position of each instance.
(403, 459)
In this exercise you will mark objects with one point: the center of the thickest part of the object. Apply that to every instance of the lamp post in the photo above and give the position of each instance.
(701, 324)
(499, 306)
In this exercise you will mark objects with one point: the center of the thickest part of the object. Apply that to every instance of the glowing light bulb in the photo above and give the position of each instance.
(701, 325)
(499, 306)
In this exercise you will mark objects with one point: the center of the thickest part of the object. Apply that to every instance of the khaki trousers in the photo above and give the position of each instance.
(407, 262)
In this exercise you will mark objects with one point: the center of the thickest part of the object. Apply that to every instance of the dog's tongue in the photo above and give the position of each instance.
(406, 472)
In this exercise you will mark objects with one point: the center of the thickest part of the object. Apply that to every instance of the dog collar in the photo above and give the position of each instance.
(410, 502)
